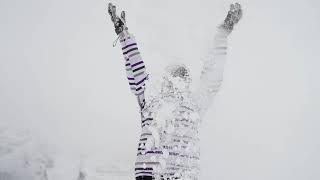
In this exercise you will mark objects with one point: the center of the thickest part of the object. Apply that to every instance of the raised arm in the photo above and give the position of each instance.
(212, 72)
(134, 65)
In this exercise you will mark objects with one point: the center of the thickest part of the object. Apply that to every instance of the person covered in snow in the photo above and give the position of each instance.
(169, 144)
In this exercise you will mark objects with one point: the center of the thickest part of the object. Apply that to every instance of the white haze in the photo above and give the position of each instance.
(64, 94)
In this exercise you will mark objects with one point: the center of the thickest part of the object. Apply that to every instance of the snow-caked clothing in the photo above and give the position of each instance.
(169, 141)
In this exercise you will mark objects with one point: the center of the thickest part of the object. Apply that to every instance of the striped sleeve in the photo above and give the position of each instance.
(212, 72)
(134, 65)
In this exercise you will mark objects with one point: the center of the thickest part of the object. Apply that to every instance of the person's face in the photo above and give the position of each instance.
(171, 86)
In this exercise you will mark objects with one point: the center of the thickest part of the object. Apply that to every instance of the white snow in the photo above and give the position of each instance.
(65, 105)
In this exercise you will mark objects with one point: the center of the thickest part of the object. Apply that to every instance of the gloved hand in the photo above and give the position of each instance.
(119, 22)
(233, 17)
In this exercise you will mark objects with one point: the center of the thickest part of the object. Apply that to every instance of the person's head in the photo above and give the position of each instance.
(176, 80)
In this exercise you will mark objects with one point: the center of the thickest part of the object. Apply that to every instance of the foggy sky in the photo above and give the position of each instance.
(61, 79)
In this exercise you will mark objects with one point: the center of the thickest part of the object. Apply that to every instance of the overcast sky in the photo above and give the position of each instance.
(61, 79)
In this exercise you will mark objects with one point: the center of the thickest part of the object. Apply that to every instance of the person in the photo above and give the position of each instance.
(169, 144)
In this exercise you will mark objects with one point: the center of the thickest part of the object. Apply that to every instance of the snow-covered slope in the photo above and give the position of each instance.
(63, 85)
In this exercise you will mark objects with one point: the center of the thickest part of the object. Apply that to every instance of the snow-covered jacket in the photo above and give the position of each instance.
(169, 142)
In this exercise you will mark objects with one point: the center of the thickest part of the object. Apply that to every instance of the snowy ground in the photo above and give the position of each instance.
(65, 104)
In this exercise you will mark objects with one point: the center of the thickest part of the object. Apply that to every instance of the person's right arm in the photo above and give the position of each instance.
(135, 67)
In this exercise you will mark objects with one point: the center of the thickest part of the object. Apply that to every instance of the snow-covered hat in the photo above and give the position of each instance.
(178, 70)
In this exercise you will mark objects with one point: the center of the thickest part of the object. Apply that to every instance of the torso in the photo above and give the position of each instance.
(169, 142)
